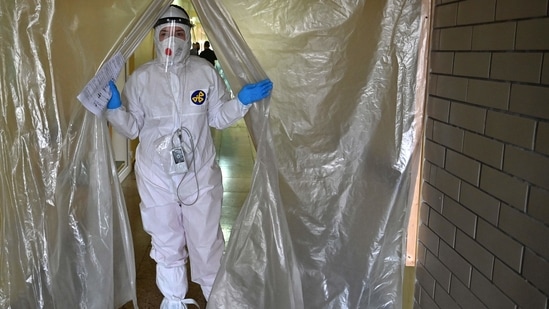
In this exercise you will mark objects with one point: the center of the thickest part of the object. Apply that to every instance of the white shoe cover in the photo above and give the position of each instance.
(178, 304)
(172, 281)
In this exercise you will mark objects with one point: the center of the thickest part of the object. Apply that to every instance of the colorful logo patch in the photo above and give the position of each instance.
(198, 97)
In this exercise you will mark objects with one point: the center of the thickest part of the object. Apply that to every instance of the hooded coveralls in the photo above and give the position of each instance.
(189, 94)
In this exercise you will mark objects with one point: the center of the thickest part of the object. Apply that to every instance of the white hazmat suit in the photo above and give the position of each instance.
(170, 103)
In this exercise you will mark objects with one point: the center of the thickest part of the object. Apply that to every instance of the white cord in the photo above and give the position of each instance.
(194, 167)
(178, 134)
(189, 301)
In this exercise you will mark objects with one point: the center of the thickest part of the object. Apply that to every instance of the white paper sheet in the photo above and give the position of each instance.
(96, 93)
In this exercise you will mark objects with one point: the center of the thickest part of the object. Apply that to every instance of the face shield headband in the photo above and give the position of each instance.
(178, 20)
(174, 14)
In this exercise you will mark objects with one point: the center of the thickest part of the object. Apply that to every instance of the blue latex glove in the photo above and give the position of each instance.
(114, 101)
(254, 92)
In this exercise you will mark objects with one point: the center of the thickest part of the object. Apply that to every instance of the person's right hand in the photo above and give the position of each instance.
(114, 101)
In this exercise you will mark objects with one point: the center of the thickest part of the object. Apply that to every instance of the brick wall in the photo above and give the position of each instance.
(484, 233)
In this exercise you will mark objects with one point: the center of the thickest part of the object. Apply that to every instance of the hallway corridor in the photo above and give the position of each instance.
(236, 157)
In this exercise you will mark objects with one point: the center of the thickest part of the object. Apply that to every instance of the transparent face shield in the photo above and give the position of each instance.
(173, 43)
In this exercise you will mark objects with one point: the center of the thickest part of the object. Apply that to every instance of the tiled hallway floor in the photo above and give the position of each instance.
(236, 157)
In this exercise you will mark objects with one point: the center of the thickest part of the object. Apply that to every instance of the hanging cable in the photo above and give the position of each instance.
(191, 142)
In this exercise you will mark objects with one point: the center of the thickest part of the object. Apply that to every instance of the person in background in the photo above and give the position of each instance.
(208, 54)
(178, 179)
(196, 49)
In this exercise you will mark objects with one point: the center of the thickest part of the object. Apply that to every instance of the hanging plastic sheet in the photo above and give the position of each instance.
(324, 225)
(65, 240)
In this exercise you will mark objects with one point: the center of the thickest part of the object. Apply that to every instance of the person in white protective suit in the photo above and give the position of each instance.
(170, 103)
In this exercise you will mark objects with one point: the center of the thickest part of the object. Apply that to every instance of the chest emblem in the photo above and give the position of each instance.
(198, 97)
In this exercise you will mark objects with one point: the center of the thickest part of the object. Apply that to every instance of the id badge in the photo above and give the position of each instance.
(179, 165)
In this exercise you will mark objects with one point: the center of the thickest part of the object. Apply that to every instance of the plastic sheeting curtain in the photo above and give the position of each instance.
(324, 224)
(65, 240)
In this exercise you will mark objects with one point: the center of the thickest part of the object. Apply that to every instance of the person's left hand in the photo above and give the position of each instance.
(114, 101)
(254, 92)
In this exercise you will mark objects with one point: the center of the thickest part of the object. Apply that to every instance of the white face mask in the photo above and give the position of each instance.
(172, 49)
